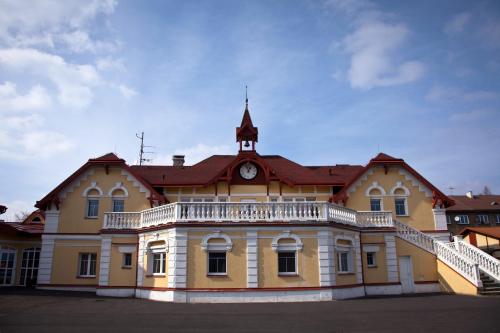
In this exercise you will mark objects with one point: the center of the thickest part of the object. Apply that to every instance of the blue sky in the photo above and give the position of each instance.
(329, 82)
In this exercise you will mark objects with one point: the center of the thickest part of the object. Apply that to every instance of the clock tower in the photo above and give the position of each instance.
(247, 134)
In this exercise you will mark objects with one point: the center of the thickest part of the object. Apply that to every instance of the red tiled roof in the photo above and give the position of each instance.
(205, 171)
(21, 228)
(486, 231)
(478, 202)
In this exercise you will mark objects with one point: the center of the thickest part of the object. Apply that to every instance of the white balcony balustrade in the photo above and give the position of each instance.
(246, 212)
(487, 263)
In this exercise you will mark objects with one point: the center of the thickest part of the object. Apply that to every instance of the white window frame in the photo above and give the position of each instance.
(374, 259)
(482, 219)
(405, 206)
(9, 250)
(283, 249)
(87, 207)
(343, 248)
(465, 219)
(152, 250)
(124, 261)
(208, 263)
(381, 203)
(448, 219)
(89, 264)
(163, 260)
(348, 253)
(116, 199)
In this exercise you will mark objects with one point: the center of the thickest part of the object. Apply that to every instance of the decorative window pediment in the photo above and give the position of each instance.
(296, 246)
(227, 245)
(400, 190)
(375, 190)
(92, 190)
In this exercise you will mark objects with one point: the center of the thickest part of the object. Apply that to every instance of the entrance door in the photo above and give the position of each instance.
(29, 266)
(406, 274)
(7, 266)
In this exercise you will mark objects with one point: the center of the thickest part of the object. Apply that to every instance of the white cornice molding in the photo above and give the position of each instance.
(76, 183)
(118, 186)
(415, 182)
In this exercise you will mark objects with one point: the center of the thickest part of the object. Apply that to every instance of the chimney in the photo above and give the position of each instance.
(178, 160)
(469, 195)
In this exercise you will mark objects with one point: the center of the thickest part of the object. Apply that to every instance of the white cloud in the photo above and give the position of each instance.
(79, 41)
(109, 63)
(23, 123)
(371, 46)
(74, 82)
(457, 23)
(37, 98)
(34, 23)
(195, 154)
(127, 92)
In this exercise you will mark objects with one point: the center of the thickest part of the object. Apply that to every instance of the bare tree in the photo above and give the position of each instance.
(21, 216)
(486, 191)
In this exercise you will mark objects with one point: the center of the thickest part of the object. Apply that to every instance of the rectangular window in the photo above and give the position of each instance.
(463, 219)
(343, 262)
(216, 263)
(118, 205)
(375, 205)
(498, 218)
(127, 260)
(400, 204)
(482, 219)
(92, 208)
(158, 263)
(286, 262)
(371, 259)
(87, 264)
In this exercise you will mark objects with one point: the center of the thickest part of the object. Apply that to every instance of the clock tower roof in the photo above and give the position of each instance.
(247, 131)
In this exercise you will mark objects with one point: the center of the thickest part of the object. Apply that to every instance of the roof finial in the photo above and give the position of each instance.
(246, 97)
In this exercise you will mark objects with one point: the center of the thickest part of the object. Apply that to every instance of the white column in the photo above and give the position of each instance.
(177, 258)
(359, 263)
(51, 220)
(45, 263)
(252, 261)
(391, 259)
(440, 219)
(105, 260)
(325, 256)
(140, 260)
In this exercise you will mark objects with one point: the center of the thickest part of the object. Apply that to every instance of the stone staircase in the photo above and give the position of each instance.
(490, 285)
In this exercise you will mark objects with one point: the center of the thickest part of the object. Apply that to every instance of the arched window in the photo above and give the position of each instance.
(217, 245)
(345, 254)
(118, 193)
(92, 193)
(376, 194)
(400, 194)
(287, 245)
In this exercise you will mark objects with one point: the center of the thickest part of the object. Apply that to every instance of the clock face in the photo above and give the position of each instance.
(248, 171)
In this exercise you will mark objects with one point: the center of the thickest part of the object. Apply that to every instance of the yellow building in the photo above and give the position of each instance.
(249, 228)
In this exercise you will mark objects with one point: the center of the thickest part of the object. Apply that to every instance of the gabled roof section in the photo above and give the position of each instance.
(105, 160)
(382, 159)
(22, 229)
(209, 170)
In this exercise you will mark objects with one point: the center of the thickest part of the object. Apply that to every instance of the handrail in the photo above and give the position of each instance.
(415, 236)
(487, 263)
(306, 211)
(466, 267)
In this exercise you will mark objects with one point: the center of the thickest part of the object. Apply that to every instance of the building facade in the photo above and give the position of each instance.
(248, 228)
(473, 211)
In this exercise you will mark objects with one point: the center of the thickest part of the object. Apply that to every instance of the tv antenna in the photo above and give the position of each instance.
(142, 159)
(451, 188)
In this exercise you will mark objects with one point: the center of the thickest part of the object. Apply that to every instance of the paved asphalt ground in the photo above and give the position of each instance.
(41, 311)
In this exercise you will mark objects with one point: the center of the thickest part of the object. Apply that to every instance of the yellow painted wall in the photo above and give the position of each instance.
(157, 281)
(198, 263)
(453, 282)
(119, 276)
(484, 241)
(308, 270)
(73, 208)
(419, 206)
(376, 274)
(424, 263)
(65, 262)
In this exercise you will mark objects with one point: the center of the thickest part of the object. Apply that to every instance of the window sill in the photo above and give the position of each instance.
(288, 274)
(91, 217)
(372, 266)
(126, 267)
(345, 273)
(156, 275)
(216, 274)
(86, 276)
(404, 215)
